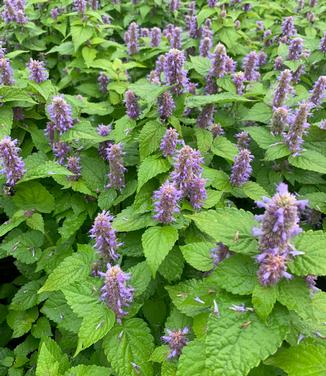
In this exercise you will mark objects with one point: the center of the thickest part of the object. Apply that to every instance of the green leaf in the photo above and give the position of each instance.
(129, 346)
(259, 112)
(236, 274)
(306, 359)
(263, 299)
(276, 151)
(129, 220)
(26, 297)
(51, 361)
(229, 36)
(204, 139)
(172, 266)
(230, 226)
(213, 197)
(36, 222)
(157, 243)
(224, 148)
(151, 167)
(41, 328)
(71, 225)
(150, 138)
(13, 94)
(194, 357)
(21, 321)
(254, 191)
(44, 170)
(45, 89)
(309, 160)
(262, 136)
(73, 268)
(33, 196)
(6, 119)
(201, 65)
(140, 277)
(202, 100)
(84, 131)
(17, 218)
(92, 370)
(233, 350)
(317, 200)
(89, 54)
(198, 255)
(147, 91)
(313, 261)
(80, 34)
(94, 327)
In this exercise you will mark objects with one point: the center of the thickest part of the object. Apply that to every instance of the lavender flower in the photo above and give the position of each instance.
(323, 43)
(267, 37)
(297, 128)
(131, 103)
(318, 91)
(298, 73)
(159, 64)
(60, 151)
(260, 25)
(313, 3)
(206, 117)
(174, 73)
(37, 71)
(175, 38)
(243, 140)
(55, 12)
(94, 4)
(106, 19)
(169, 142)
(278, 63)
(155, 35)
(60, 114)
(154, 78)
(311, 17)
(131, 38)
(174, 5)
(176, 340)
(18, 113)
(279, 120)
(103, 81)
(193, 27)
(288, 28)
(12, 165)
(217, 68)
(116, 291)
(114, 156)
(283, 89)
(238, 80)
(262, 58)
(279, 224)
(144, 32)
(211, 3)
(205, 46)
(104, 130)
(311, 283)
(166, 202)
(106, 242)
(73, 165)
(250, 65)
(6, 73)
(217, 130)
(241, 169)
(14, 10)
(301, 4)
(80, 6)
(220, 253)
(295, 49)
(196, 192)
(166, 105)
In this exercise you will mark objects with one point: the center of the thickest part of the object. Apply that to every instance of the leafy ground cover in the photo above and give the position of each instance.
(163, 191)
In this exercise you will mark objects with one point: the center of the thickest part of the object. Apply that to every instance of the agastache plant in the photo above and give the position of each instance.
(318, 92)
(6, 73)
(283, 88)
(116, 291)
(295, 49)
(155, 36)
(14, 11)
(12, 165)
(166, 202)
(220, 253)
(279, 120)
(323, 43)
(103, 81)
(165, 105)
(174, 72)
(169, 142)
(114, 155)
(131, 38)
(176, 340)
(250, 66)
(80, 6)
(106, 242)
(288, 28)
(60, 114)
(241, 169)
(218, 69)
(279, 224)
(131, 103)
(238, 80)
(73, 165)
(206, 116)
(37, 71)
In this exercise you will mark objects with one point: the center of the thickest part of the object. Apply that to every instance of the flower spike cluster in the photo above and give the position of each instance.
(37, 71)
(14, 11)
(174, 72)
(176, 340)
(279, 224)
(169, 142)
(166, 202)
(241, 169)
(283, 89)
(6, 73)
(60, 114)
(114, 155)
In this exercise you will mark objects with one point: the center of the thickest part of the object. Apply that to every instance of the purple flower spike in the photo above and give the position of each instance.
(262, 58)
(205, 46)
(217, 69)
(174, 73)
(169, 142)
(106, 242)
(116, 291)
(155, 35)
(323, 43)
(313, 3)
(206, 117)
(144, 32)
(297, 128)
(295, 49)
(37, 71)
(166, 105)
(278, 63)
(296, 76)
(12, 165)
(131, 103)
(174, 5)
(279, 120)
(175, 38)
(14, 11)
(166, 202)
(60, 114)
(80, 6)
(279, 224)
(6, 73)
(193, 27)
(60, 151)
(243, 140)
(114, 155)
(283, 89)
(104, 130)
(288, 28)
(220, 253)
(211, 3)
(103, 81)
(197, 192)
(131, 38)
(250, 66)
(217, 130)
(176, 340)
(241, 169)
(73, 165)
(318, 91)
(94, 4)
(238, 80)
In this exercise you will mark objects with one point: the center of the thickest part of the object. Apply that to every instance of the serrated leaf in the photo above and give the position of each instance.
(21, 321)
(224, 148)
(80, 34)
(202, 100)
(6, 119)
(150, 138)
(129, 346)
(72, 224)
(33, 195)
(157, 243)
(73, 268)
(41, 328)
(130, 220)
(51, 360)
(198, 255)
(194, 357)
(36, 222)
(309, 160)
(151, 167)
(17, 218)
(254, 191)
(172, 266)
(236, 274)
(26, 297)
(201, 64)
(259, 112)
(230, 226)
(276, 151)
(263, 299)
(83, 370)
(262, 136)
(44, 170)
(204, 139)
(140, 277)
(147, 91)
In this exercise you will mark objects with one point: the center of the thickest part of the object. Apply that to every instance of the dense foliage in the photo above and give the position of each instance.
(162, 188)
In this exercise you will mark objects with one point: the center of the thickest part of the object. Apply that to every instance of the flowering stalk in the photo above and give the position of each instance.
(283, 89)
(131, 104)
(60, 151)
(80, 6)
(169, 142)
(279, 120)
(250, 66)
(217, 130)
(116, 291)
(323, 43)
(106, 242)
(37, 71)
(176, 340)
(174, 5)
(241, 169)
(217, 68)
(166, 202)
(166, 105)
(60, 114)
(114, 155)
(175, 38)
(206, 117)
(174, 73)
(197, 192)
(288, 28)
(6, 73)
(220, 253)
(155, 37)
(103, 81)
(73, 165)
(12, 165)
(243, 140)
(131, 38)
(295, 49)
(14, 10)
(205, 46)
(238, 80)
(318, 91)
